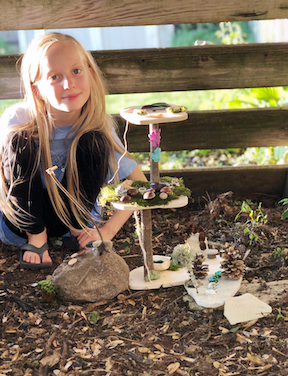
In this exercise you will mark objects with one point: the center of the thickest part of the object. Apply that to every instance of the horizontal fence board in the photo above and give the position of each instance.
(178, 69)
(41, 14)
(220, 129)
(255, 182)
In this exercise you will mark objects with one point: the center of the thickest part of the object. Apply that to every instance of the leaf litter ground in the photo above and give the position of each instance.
(152, 332)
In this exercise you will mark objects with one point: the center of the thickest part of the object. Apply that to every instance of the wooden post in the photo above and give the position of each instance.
(146, 218)
(146, 232)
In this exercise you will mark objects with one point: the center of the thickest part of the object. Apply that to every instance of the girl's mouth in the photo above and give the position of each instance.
(72, 97)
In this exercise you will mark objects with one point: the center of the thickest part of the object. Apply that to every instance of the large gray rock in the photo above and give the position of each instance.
(94, 276)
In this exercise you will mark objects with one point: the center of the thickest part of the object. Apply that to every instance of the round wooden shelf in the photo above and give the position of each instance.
(154, 116)
(178, 203)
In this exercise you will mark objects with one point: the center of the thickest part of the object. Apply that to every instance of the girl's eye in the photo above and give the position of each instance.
(54, 77)
(76, 71)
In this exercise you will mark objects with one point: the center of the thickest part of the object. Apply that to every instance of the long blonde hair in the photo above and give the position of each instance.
(41, 126)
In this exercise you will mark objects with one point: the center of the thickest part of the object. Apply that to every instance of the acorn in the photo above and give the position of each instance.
(157, 186)
(149, 194)
(132, 192)
(166, 190)
(125, 199)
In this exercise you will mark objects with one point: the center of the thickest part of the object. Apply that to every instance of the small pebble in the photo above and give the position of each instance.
(132, 192)
(157, 186)
(163, 195)
(72, 262)
(125, 199)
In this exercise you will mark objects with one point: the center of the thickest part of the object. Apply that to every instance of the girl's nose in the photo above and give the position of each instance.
(67, 83)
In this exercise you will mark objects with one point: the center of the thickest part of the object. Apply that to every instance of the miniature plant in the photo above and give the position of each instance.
(255, 219)
(49, 289)
(93, 317)
(277, 252)
(183, 256)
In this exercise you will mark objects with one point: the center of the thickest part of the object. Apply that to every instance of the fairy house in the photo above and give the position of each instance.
(206, 67)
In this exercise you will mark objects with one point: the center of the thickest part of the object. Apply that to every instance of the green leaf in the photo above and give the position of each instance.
(246, 230)
(285, 214)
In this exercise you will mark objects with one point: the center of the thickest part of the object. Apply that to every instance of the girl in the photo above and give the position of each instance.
(62, 123)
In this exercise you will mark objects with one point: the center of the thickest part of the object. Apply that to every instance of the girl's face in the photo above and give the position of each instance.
(65, 82)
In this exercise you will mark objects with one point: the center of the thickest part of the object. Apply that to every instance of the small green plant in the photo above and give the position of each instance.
(127, 249)
(255, 218)
(279, 315)
(93, 317)
(285, 213)
(277, 252)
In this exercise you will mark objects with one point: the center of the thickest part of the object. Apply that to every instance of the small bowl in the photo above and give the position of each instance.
(158, 265)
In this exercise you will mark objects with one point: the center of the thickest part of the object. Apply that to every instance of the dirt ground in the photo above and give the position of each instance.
(151, 332)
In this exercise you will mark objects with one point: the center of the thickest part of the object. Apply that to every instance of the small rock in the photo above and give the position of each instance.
(94, 277)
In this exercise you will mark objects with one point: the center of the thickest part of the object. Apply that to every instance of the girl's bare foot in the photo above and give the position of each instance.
(38, 240)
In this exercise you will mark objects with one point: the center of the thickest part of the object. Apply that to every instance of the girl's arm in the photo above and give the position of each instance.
(114, 224)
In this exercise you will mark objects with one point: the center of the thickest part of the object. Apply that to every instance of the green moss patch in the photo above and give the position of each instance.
(108, 193)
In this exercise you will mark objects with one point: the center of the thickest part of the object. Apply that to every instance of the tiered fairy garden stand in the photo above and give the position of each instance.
(145, 196)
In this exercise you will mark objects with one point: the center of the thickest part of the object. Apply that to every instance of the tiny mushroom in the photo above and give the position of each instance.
(149, 194)
(163, 195)
(132, 192)
(166, 190)
(125, 199)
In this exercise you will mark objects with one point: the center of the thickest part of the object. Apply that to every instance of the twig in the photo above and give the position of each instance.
(279, 352)
(63, 355)
(49, 342)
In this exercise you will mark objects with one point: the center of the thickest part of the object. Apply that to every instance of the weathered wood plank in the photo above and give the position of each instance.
(255, 182)
(176, 69)
(35, 14)
(216, 130)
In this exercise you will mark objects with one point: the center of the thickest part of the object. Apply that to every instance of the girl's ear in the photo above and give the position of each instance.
(36, 91)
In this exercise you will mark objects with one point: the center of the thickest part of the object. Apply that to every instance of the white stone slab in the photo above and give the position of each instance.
(178, 203)
(245, 308)
(225, 287)
(168, 278)
(154, 116)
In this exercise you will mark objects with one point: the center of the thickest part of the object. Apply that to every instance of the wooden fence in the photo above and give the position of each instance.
(180, 69)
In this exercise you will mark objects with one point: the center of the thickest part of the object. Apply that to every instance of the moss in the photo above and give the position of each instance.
(108, 193)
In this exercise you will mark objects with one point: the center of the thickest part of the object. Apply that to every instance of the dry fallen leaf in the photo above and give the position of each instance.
(172, 367)
(255, 359)
(242, 339)
(143, 350)
(50, 360)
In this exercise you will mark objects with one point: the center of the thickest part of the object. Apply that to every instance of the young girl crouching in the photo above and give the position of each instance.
(62, 123)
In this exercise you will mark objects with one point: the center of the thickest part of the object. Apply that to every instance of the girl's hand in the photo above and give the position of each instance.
(90, 235)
